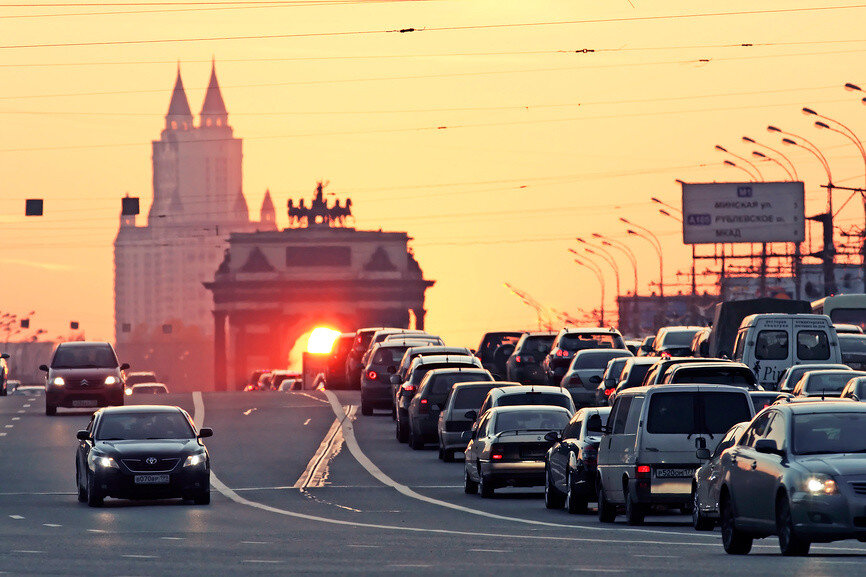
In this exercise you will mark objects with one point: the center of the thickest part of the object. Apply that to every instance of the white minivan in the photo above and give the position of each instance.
(647, 456)
(769, 343)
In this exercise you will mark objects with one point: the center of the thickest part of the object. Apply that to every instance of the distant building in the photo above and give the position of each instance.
(163, 319)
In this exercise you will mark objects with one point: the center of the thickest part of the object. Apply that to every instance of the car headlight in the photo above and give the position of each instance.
(128, 392)
(194, 460)
(105, 462)
(821, 485)
(111, 380)
(58, 381)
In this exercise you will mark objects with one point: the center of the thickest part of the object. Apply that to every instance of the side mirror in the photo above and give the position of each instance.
(595, 379)
(552, 437)
(471, 415)
(205, 432)
(124, 367)
(395, 380)
(392, 369)
(43, 368)
(83, 435)
(4, 356)
(466, 436)
(702, 454)
(767, 446)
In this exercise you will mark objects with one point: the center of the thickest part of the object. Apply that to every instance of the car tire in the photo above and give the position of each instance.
(634, 512)
(573, 504)
(393, 414)
(366, 409)
(50, 410)
(470, 487)
(441, 454)
(699, 521)
(606, 509)
(202, 498)
(414, 442)
(94, 496)
(734, 541)
(402, 431)
(790, 543)
(82, 491)
(553, 497)
(448, 455)
(485, 488)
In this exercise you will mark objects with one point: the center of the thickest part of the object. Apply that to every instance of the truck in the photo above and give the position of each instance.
(729, 314)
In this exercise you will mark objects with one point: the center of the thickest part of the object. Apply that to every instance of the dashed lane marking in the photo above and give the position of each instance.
(249, 411)
(2, 434)
(307, 422)
(173, 538)
(21, 412)
(140, 556)
(51, 525)
(16, 517)
(490, 550)
(27, 406)
(27, 551)
(9, 426)
(16, 418)
(310, 396)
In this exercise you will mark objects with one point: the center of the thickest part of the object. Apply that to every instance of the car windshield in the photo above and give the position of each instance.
(144, 425)
(853, 343)
(470, 397)
(840, 432)
(83, 357)
(827, 382)
(530, 398)
(539, 345)
(442, 384)
(531, 420)
(136, 378)
(596, 360)
(581, 341)
(636, 375)
(681, 338)
(693, 413)
(388, 355)
(149, 389)
(422, 370)
(849, 316)
(735, 377)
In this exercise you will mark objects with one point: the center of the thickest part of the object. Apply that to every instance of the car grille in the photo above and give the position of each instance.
(457, 426)
(92, 383)
(859, 487)
(533, 450)
(142, 466)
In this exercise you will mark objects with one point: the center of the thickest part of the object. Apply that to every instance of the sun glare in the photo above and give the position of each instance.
(321, 340)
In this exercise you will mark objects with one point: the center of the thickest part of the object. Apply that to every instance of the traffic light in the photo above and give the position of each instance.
(33, 207)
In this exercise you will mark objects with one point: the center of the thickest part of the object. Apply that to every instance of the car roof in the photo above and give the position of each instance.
(589, 330)
(463, 369)
(520, 408)
(132, 409)
(479, 384)
(66, 344)
(810, 374)
(453, 358)
(599, 410)
(422, 350)
(828, 405)
(517, 389)
(641, 360)
(685, 388)
(146, 385)
(395, 344)
(603, 352)
(711, 365)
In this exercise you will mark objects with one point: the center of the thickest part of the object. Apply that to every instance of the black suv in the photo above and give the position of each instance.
(83, 374)
(569, 341)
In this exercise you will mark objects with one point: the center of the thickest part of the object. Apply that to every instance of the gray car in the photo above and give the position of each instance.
(798, 472)
(824, 383)
(791, 375)
(707, 482)
(459, 413)
(585, 372)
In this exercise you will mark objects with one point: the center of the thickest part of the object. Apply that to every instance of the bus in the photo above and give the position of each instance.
(843, 309)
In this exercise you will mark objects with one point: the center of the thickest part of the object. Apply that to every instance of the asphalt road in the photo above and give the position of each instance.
(298, 491)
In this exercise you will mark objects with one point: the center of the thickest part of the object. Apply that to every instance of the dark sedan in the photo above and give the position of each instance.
(142, 452)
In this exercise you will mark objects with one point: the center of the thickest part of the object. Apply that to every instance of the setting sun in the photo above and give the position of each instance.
(321, 340)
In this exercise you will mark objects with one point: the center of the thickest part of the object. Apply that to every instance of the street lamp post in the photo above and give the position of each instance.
(623, 248)
(793, 170)
(654, 241)
(586, 263)
(606, 256)
(735, 165)
(746, 160)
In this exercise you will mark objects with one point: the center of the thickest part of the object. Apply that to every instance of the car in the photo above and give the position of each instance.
(656, 373)
(534, 395)
(290, 384)
(142, 452)
(646, 347)
(335, 371)
(762, 399)
(4, 375)
(524, 364)
(713, 373)
(847, 329)
(29, 390)
(398, 334)
(700, 346)
(609, 380)
(252, 383)
(353, 358)
(508, 447)
(433, 391)
(569, 341)
(495, 349)
(147, 389)
(83, 374)
(788, 379)
(824, 383)
(855, 389)
(675, 341)
(633, 345)
(572, 459)
(463, 402)
(797, 472)
(417, 370)
(646, 459)
(707, 482)
(425, 351)
(382, 362)
(853, 350)
(585, 373)
(277, 377)
(419, 337)
(140, 377)
(633, 373)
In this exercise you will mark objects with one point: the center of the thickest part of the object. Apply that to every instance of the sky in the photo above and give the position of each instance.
(494, 133)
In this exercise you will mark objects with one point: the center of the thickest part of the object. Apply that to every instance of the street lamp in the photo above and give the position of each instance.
(666, 205)
(606, 256)
(763, 156)
(648, 235)
(586, 263)
(746, 160)
(735, 165)
(774, 151)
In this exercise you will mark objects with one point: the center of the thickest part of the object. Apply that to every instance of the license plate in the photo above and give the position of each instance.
(84, 403)
(151, 479)
(674, 473)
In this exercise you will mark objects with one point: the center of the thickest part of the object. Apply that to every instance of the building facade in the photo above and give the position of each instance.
(163, 319)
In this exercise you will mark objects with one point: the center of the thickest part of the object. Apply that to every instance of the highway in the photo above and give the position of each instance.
(301, 485)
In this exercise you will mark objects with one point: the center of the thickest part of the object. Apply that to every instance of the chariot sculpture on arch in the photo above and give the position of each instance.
(319, 214)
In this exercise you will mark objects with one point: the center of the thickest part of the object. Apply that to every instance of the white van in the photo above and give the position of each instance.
(772, 342)
(647, 455)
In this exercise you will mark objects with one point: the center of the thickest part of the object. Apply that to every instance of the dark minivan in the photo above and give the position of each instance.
(83, 375)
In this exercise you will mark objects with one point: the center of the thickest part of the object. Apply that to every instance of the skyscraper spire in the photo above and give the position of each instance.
(213, 111)
(179, 116)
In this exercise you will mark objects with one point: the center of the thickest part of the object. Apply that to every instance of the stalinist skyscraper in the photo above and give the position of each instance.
(162, 312)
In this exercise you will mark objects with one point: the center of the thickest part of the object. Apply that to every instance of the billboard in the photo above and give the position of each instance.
(728, 212)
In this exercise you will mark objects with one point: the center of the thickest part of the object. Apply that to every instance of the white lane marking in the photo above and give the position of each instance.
(307, 422)
(490, 550)
(28, 551)
(31, 400)
(21, 412)
(9, 426)
(248, 411)
(51, 525)
(97, 531)
(2, 434)
(270, 561)
(255, 542)
(365, 546)
(16, 418)
(27, 406)
(316, 472)
(16, 517)
(173, 538)
(140, 556)
(311, 396)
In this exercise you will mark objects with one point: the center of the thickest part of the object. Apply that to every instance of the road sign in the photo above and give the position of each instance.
(729, 212)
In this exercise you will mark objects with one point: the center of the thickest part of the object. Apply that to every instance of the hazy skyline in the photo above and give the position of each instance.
(492, 147)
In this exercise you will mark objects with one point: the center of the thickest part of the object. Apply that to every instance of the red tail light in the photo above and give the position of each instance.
(643, 471)
(423, 408)
(609, 392)
(524, 359)
(665, 355)
(372, 375)
(562, 353)
(496, 452)
(408, 388)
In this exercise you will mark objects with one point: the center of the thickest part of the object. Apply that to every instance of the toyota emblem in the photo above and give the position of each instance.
(150, 460)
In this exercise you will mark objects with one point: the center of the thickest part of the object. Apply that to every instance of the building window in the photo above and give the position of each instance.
(173, 125)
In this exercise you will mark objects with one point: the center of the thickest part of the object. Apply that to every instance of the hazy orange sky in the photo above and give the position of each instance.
(541, 144)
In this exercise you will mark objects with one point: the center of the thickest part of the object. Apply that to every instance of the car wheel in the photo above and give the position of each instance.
(553, 498)
(484, 487)
(573, 504)
(699, 521)
(50, 410)
(634, 512)
(393, 414)
(789, 542)
(470, 487)
(202, 498)
(82, 490)
(414, 442)
(402, 431)
(606, 509)
(448, 455)
(441, 454)
(734, 541)
(94, 497)
(366, 409)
